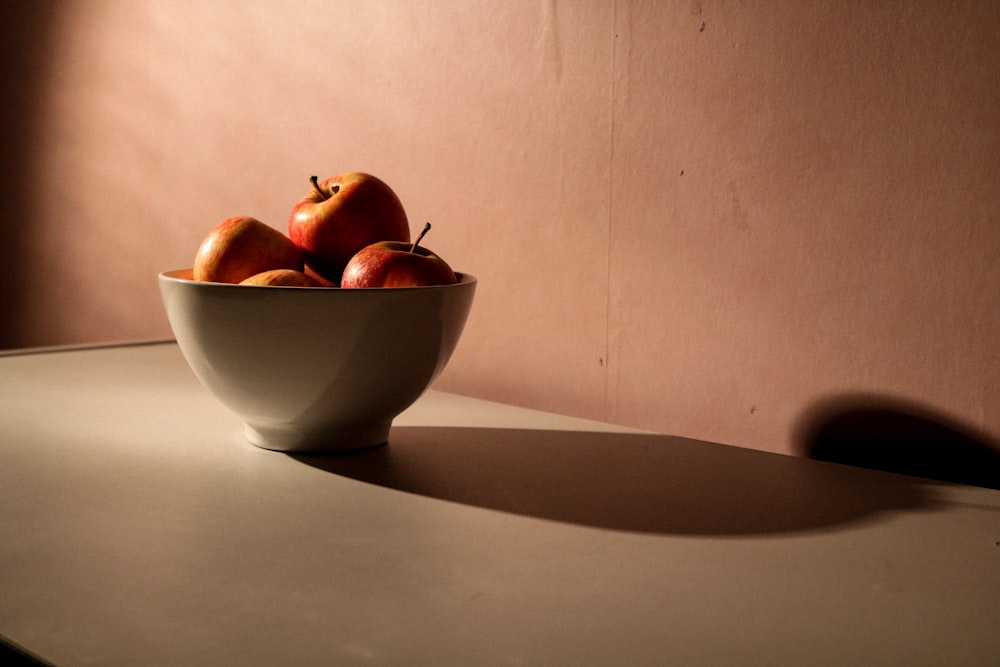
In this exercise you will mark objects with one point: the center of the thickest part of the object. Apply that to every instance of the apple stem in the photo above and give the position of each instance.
(427, 228)
(315, 181)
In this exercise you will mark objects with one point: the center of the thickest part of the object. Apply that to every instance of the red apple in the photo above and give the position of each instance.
(342, 215)
(281, 278)
(397, 264)
(240, 247)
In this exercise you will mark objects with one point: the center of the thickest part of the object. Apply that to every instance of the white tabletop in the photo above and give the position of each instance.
(137, 527)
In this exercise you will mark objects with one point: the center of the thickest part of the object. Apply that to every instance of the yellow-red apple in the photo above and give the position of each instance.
(281, 278)
(241, 246)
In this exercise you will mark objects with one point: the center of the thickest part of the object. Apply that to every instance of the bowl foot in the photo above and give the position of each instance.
(339, 439)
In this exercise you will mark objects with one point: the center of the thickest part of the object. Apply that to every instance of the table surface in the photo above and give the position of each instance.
(138, 527)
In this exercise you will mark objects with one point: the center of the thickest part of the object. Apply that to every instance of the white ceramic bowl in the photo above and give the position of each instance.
(312, 369)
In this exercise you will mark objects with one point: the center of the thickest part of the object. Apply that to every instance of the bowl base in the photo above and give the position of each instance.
(341, 439)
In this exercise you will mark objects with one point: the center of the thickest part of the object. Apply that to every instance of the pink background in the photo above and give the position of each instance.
(700, 217)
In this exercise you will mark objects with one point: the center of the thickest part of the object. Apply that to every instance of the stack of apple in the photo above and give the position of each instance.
(349, 230)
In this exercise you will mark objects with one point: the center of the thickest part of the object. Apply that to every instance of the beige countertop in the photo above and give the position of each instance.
(138, 527)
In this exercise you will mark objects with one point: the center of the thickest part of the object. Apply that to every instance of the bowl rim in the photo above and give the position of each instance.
(185, 276)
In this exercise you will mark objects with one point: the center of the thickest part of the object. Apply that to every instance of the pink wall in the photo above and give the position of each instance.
(706, 218)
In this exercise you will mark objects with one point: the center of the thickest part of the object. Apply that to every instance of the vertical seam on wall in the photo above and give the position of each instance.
(610, 220)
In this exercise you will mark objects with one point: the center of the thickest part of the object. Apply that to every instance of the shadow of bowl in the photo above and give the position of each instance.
(629, 482)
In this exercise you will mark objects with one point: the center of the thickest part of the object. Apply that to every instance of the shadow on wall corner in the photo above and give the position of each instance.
(25, 72)
(885, 433)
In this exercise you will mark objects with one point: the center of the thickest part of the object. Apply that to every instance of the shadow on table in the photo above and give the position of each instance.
(630, 482)
(885, 433)
(15, 656)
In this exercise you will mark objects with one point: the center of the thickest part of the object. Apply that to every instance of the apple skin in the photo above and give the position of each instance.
(242, 246)
(281, 278)
(323, 282)
(392, 264)
(342, 215)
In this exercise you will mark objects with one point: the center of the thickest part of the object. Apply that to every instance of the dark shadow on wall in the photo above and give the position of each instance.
(889, 434)
(25, 50)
